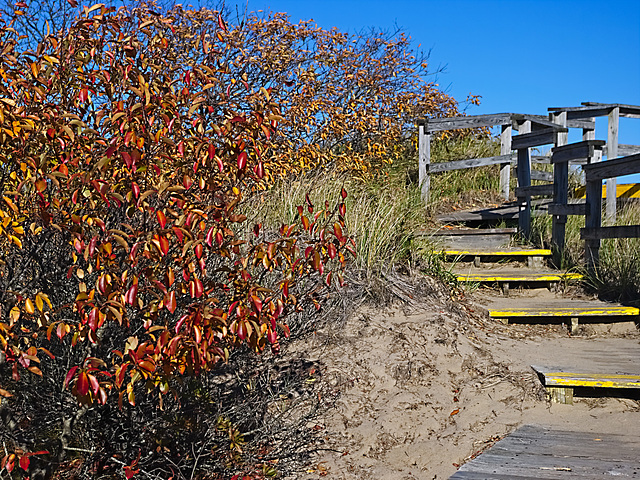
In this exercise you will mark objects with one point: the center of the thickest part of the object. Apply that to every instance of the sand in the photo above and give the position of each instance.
(415, 394)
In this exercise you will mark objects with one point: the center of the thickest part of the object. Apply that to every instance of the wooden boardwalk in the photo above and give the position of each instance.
(538, 452)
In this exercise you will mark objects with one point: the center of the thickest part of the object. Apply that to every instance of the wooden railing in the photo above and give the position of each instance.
(534, 131)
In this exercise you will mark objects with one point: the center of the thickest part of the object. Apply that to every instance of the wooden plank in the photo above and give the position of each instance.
(470, 163)
(536, 139)
(585, 111)
(619, 231)
(475, 121)
(544, 159)
(539, 190)
(424, 159)
(593, 220)
(568, 209)
(505, 168)
(612, 149)
(624, 150)
(542, 252)
(538, 122)
(541, 176)
(574, 151)
(524, 276)
(560, 118)
(588, 123)
(624, 190)
(476, 231)
(560, 377)
(632, 111)
(524, 181)
(596, 310)
(613, 168)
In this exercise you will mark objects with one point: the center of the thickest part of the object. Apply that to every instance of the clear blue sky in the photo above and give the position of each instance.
(521, 56)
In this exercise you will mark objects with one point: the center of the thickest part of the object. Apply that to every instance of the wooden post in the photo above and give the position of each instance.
(593, 219)
(590, 134)
(612, 152)
(524, 180)
(560, 197)
(560, 192)
(424, 160)
(505, 168)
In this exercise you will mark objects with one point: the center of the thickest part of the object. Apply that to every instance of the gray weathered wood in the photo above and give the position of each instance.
(613, 168)
(624, 150)
(561, 119)
(575, 151)
(470, 163)
(424, 159)
(578, 209)
(524, 181)
(538, 122)
(619, 231)
(541, 176)
(476, 121)
(476, 231)
(533, 190)
(585, 124)
(505, 168)
(631, 111)
(560, 197)
(593, 220)
(536, 139)
(612, 149)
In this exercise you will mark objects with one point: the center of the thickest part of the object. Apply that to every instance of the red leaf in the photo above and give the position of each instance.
(259, 170)
(95, 385)
(198, 250)
(257, 303)
(162, 220)
(82, 383)
(24, 463)
(70, 375)
(209, 238)
(164, 244)
(94, 317)
(83, 96)
(343, 193)
(170, 301)
(130, 297)
(242, 330)
(211, 151)
(242, 160)
(221, 23)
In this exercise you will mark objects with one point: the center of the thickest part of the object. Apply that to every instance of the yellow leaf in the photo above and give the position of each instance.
(28, 305)
(35, 69)
(16, 240)
(14, 314)
(39, 302)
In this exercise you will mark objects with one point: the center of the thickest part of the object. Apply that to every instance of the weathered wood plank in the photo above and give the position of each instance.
(597, 310)
(623, 150)
(424, 159)
(574, 151)
(538, 252)
(524, 181)
(612, 149)
(561, 377)
(520, 276)
(536, 139)
(619, 231)
(578, 209)
(632, 111)
(505, 168)
(613, 168)
(588, 124)
(531, 190)
(541, 176)
(470, 163)
(538, 122)
(477, 231)
(476, 121)
(593, 220)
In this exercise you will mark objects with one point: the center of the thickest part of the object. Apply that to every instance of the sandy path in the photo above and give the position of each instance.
(417, 394)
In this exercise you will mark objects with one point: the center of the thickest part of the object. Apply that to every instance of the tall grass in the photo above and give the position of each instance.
(618, 274)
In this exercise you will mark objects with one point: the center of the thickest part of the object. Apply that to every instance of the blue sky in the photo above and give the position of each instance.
(521, 56)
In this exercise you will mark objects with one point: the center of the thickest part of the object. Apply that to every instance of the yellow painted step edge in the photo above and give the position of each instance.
(540, 278)
(528, 253)
(565, 312)
(559, 379)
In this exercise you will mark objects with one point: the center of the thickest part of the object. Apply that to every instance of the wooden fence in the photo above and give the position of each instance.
(534, 131)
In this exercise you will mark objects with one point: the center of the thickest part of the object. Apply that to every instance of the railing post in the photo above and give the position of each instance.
(505, 168)
(560, 192)
(424, 159)
(524, 180)
(593, 219)
(612, 152)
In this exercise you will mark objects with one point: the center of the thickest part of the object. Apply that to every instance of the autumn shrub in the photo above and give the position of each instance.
(127, 143)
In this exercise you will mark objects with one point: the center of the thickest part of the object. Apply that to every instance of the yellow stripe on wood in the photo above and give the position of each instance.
(567, 379)
(499, 253)
(601, 311)
(625, 190)
(519, 278)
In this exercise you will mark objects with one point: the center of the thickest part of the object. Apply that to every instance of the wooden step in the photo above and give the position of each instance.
(560, 382)
(533, 256)
(515, 275)
(541, 452)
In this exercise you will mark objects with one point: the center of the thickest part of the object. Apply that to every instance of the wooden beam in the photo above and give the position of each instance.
(524, 181)
(505, 168)
(612, 149)
(613, 168)
(568, 209)
(424, 159)
(575, 151)
(588, 123)
(618, 231)
(532, 190)
(624, 150)
(538, 122)
(560, 118)
(541, 176)
(535, 139)
(476, 121)
(632, 111)
(470, 163)
(593, 220)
